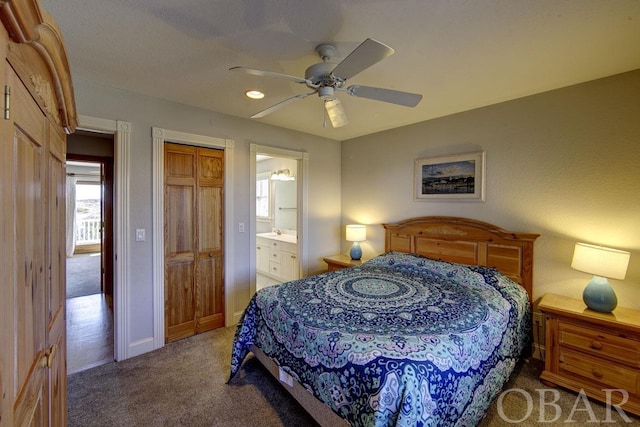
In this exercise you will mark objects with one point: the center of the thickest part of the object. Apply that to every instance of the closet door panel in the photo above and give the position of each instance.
(180, 243)
(210, 285)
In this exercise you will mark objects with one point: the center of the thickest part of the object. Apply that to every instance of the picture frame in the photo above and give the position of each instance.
(458, 177)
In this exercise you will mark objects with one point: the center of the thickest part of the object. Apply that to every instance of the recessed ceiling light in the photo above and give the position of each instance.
(254, 94)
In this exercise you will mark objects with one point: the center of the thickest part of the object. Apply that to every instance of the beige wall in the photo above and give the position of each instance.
(564, 164)
(143, 112)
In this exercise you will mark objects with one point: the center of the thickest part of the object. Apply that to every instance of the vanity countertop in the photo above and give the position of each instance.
(283, 237)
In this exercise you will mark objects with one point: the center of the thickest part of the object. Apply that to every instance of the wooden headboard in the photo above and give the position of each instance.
(466, 241)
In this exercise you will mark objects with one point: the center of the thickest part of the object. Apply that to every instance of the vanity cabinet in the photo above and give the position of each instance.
(288, 261)
(262, 255)
(277, 259)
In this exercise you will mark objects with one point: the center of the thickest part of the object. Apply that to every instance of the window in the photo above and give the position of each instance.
(262, 197)
(88, 216)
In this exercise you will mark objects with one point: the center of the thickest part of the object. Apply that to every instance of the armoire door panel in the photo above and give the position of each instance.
(33, 222)
(29, 287)
(56, 287)
(56, 262)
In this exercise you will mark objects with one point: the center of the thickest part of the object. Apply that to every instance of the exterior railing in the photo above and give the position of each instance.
(88, 232)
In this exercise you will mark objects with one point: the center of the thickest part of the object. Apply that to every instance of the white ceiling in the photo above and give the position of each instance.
(459, 54)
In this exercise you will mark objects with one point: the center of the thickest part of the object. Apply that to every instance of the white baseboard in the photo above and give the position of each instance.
(236, 317)
(142, 346)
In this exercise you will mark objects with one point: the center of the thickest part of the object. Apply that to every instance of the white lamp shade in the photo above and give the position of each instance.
(600, 261)
(356, 233)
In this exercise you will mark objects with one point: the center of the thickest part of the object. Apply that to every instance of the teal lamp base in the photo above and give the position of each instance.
(356, 251)
(599, 295)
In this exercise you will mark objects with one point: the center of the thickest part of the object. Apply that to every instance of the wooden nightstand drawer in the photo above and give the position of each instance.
(598, 370)
(600, 343)
(591, 352)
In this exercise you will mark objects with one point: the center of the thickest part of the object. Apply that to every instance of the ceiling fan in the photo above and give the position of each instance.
(326, 78)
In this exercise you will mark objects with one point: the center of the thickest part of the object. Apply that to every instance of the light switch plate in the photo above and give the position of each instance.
(139, 234)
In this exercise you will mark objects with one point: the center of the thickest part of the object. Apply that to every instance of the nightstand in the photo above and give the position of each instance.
(337, 262)
(591, 351)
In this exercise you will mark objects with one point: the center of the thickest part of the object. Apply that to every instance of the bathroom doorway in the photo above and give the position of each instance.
(279, 217)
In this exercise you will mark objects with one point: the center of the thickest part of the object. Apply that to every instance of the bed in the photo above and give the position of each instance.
(425, 334)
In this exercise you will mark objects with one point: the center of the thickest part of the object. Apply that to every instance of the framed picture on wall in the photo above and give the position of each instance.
(456, 177)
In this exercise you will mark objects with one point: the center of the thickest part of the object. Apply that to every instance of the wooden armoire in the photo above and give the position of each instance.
(38, 112)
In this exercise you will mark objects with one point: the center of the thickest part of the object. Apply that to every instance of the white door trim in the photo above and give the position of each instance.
(122, 153)
(159, 137)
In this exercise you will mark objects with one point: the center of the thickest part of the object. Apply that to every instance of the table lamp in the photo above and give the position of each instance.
(356, 233)
(603, 263)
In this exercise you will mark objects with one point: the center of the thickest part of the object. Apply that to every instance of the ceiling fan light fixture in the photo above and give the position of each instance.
(335, 112)
(254, 94)
(326, 92)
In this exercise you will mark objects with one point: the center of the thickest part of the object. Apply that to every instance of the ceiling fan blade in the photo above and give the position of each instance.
(262, 73)
(336, 113)
(280, 105)
(386, 95)
(364, 56)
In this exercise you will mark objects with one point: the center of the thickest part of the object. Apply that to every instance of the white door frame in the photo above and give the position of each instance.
(302, 219)
(159, 137)
(122, 153)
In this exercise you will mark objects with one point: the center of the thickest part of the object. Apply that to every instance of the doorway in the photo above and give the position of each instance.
(279, 219)
(90, 320)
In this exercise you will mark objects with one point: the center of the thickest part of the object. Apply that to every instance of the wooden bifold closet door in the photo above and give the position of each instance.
(193, 240)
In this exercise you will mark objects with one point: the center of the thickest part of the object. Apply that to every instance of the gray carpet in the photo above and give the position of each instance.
(83, 275)
(183, 384)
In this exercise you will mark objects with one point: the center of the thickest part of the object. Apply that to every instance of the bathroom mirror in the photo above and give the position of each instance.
(285, 211)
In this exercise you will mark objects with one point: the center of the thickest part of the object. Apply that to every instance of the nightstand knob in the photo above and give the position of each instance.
(596, 345)
(596, 373)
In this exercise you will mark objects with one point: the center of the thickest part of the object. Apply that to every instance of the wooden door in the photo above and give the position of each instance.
(107, 230)
(34, 221)
(56, 284)
(193, 206)
(210, 255)
(29, 130)
(38, 104)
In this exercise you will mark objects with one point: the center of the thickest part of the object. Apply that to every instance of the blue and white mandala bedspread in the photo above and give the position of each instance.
(400, 340)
